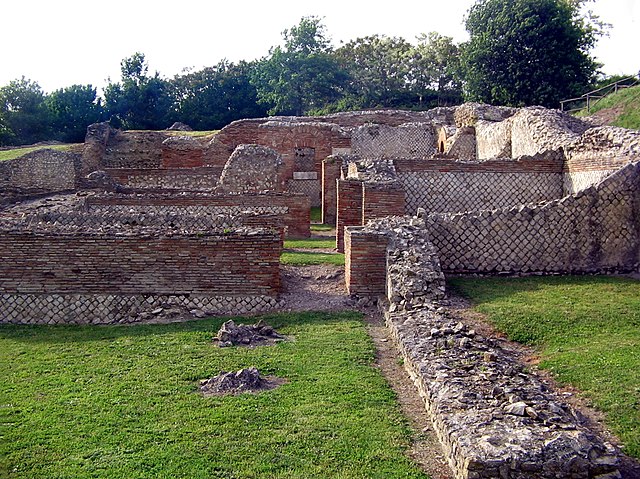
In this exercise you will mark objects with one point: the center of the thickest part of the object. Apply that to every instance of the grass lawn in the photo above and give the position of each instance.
(587, 330)
(303, 258)
(18, 152)
(327, 242)
(320, 227)
(121, 402)
(316, 214)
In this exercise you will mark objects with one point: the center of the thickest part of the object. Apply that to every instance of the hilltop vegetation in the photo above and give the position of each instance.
(619, 109)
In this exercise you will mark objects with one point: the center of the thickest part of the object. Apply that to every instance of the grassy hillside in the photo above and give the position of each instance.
(619, 109)
(21, 151)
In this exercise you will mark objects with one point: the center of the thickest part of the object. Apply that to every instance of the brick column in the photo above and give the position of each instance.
(330, 173)
(379, 200)
(349, 208)
(365, 262)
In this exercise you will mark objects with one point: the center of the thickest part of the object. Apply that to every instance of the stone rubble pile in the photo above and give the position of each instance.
(373, 171)
(232, 334)
(235, 382)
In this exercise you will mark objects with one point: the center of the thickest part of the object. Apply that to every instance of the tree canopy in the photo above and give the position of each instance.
(526, 52)
(520, 52)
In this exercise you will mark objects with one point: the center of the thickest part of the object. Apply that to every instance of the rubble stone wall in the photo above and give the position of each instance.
(39, 172)
(595, 230)
(98, 278)
(493, 139)
(289, 211)
(192, 179)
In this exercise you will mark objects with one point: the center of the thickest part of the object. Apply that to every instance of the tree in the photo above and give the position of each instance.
(303, 75)
(140, 101)
(526, 52)
(215, 96)
(71, 110)
(23, 115)
(380, 71)
(436, 68)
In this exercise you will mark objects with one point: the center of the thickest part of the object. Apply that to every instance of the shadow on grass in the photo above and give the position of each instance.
(87, 333)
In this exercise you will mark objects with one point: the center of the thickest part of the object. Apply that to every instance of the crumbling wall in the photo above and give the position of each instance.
(493, 139)
(598, 153)
(253, 168)
(38, 172)
(594, 231)
(182, 152)
(134, 149)
(454, 186)
(415, 140)
(182, 179)
(287, 211)
(536, 130)
(60, 268)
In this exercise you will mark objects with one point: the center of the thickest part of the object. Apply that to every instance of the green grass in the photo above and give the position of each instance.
(299, 258)
(587, 330)
(629, 100)
(316, 214)
(311, 243)
(319, 227)
(121, 402)
(18, 152)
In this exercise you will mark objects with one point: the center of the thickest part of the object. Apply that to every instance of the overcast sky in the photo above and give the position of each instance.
(59, 43)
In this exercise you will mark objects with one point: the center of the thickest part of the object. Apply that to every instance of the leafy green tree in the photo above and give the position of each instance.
(139, 101)
(71, 110)
(215, 96)
(526, 52)
(436, 70)
(23, 114)
(302, 76)
(379, 72)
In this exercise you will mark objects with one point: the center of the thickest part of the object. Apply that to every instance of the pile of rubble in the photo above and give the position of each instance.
(260, 333)
(237, 382)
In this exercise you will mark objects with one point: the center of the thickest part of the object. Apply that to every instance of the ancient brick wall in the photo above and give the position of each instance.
(39, 172)
(291, 212)
(192, 179)
(365, 262)
(99, 278)
(380, 200)
(182, 152)
(595, 230)
(349, 208)
(442, 185)
(134, 149)
(331, 171)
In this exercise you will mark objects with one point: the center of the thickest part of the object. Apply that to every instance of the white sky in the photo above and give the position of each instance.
(59, 43)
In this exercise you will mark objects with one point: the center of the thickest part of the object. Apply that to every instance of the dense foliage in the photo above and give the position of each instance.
(527, 52)
(521, 52)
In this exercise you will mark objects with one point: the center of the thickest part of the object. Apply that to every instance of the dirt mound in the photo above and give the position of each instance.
(232, 334)
(238, 382)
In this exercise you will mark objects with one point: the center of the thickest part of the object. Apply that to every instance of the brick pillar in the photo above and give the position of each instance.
(379, 200)
(349, 208)
(330, 173)
(365, 262)
(299, 217)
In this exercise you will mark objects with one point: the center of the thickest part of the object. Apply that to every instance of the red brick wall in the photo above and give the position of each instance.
(174, 158)
(365, 262)
(382, 200)
(233, 265)
(330, 173)
(349, 208)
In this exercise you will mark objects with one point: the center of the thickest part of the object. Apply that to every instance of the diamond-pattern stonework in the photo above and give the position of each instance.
(118, 309)
(413, 140)
(439, 192)
(311, 188)
(595, 230)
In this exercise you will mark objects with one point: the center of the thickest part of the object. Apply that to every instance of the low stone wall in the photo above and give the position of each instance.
(492, 417)
(55, 274)
(192, 179)
(291, 212)
(416, 140)
(39, 172)
(596, 230)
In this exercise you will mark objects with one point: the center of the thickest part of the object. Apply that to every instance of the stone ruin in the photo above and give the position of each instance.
(144, 221)
(260, 333)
